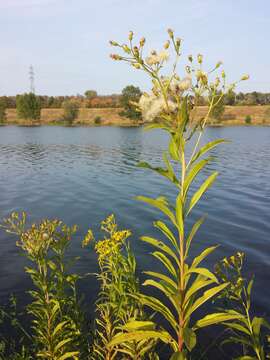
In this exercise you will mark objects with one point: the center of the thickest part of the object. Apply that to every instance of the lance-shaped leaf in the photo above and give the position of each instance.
(166, 262)
(192, 233)
(208, 294)
(199, 283)
(204, 149)
(167, 173)
(160, 203)
(198, 259)
(193, 173)
(162, 309)
(140, 335)
(198, 194)
(216, 318)
(168, 281)
(189, 338)
(167, 232)
(179, 214)
(161, 246)
(174, 149)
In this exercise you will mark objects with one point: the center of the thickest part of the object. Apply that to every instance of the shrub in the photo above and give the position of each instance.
(28, 106)
(3, 107)
(248, 119)
(97, 120)
(71, 111)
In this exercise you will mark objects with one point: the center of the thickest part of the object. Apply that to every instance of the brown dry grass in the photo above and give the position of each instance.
(234, 115)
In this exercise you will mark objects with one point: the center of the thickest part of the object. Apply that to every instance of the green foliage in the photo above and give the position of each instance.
(218, 110)
(3, 108)
(246, 330)
(28, 106)
(90, 94)
(248, 119)
(71, 111)
(117, 307)
(57, 319)
(130, 96)
(97, 120)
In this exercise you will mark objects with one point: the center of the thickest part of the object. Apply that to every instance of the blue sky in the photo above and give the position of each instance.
(67, 41)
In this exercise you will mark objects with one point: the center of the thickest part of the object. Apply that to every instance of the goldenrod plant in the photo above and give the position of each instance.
(116, 305)
(55, 308)
(171, 105)
(246, 330)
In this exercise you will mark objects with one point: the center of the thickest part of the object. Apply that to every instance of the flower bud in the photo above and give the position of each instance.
(245, 77)
(126, 49)
(190, 58)
(223, 74)
(217, 82)
(188, 69)
(178, 42)
(200, 58)
(116, 57)
(142, 42)
(130, 35)
(136, 50)
(170, 32)
(166, 45)
(218, 64)
(113, 43)
(136, 65)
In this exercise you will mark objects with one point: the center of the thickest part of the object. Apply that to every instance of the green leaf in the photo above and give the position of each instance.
(193, 173)
(70, 355)
(179, 214)
(169, 282)
(202, 256)
(139, 325)
(161, 204)
(167, 173)
(189, 338)
(140, 335)
(202, 271)
(192, 233)
(208, 294)
(204, 149)
(236, 326)
(174, 149)
(158, 306)
(161, 246)
(198, 284)
(215, 318)
(198, 194)
(166, 262)
(167, 232)
(178, 356)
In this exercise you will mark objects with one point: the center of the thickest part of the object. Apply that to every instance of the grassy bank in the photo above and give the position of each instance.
(233, 115)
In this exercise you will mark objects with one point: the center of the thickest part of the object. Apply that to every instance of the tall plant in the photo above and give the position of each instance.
(55, 309)
(116, 305)
(172, 105)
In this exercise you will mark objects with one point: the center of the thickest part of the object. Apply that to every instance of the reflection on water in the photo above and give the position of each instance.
(83, 174)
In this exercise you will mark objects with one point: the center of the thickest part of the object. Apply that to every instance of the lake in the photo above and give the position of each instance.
(81, 175)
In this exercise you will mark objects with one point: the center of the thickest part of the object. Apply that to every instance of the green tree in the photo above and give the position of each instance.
(130, 94)
(229, 98)
(218, 110)
(3, 107)
(71, 111)
(28, 106)
(90, 94)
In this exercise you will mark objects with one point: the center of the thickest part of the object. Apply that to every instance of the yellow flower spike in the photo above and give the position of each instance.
(88, 238)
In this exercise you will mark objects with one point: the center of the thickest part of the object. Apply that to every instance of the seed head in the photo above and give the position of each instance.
(142, 41)
(245, 77)
(200, 58)
(166, 45)
(130, 35)
(170, 32)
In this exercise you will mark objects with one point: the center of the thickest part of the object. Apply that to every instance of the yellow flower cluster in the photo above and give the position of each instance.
(109, 246)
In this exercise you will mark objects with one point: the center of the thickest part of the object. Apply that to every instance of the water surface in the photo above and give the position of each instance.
(81, 175)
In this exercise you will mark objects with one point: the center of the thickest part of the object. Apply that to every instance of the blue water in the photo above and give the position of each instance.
(81, 175)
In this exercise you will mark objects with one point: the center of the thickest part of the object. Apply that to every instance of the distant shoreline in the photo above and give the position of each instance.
(233, 116)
